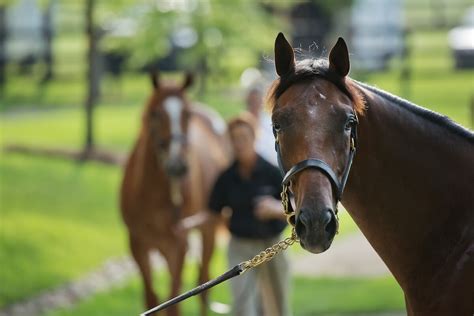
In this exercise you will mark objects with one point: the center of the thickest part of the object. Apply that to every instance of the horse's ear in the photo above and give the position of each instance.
(284, 56)
(155, 78)
(339, 58)
(188, 81)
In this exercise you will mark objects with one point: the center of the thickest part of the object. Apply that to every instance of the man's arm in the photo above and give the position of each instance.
(217, 201)
(198, 220)
(268, 208)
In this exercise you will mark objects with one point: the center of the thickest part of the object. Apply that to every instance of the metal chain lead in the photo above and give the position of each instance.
(285, 200)
(269, 253)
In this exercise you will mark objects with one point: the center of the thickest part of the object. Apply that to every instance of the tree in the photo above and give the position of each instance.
(94, 34)
(93, 74)
(215, 36)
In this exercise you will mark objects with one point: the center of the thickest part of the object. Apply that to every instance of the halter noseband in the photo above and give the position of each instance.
(317, 164)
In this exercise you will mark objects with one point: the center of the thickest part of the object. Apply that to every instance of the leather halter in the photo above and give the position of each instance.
(319, 164)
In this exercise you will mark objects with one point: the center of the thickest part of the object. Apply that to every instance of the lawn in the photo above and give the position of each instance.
(116, 126)
(309, 297)
(57, 220)
(434, 83)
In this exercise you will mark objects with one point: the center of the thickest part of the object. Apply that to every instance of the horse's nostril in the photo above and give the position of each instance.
(326, 217)
(330, 224)
(300, 226)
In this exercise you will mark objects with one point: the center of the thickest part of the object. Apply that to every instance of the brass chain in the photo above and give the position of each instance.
(269, 253)
(285, 201)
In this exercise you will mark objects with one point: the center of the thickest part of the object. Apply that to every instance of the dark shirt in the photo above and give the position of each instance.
(241, 194)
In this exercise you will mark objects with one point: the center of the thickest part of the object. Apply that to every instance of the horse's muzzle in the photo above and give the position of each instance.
(316, 230)
(176, 167)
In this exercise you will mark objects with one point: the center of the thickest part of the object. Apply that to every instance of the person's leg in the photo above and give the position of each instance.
(244, 287)
(275, 284)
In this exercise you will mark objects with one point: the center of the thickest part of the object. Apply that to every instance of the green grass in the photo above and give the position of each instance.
(317, 296)
(58, 220)
(116, 127)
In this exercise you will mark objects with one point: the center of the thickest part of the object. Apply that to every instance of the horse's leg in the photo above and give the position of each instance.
(140, 253)
(208, 242)
(174, 251)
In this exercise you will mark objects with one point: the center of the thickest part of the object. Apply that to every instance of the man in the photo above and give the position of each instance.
(250, 187)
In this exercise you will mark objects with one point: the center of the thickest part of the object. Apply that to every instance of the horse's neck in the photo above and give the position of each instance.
(410, 190)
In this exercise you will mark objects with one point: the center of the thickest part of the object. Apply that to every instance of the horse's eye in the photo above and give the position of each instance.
(276, 127)
(351, 121)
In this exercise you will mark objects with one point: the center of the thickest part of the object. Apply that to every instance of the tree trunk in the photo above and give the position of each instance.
(3, 55)
(48, 40)
(93, 76)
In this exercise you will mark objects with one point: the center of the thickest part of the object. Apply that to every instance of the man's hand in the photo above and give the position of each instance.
(267, 207)
(192, 222)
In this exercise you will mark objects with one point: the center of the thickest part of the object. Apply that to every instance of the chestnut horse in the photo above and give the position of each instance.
(168, 177)
(411, 186)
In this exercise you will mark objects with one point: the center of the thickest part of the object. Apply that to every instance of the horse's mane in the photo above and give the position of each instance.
(438, 119)
(310, 69)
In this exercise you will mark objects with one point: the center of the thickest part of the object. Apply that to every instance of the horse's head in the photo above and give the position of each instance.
(167, 118)
(314, 114)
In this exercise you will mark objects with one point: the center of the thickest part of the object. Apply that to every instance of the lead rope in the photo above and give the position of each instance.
(262, 257)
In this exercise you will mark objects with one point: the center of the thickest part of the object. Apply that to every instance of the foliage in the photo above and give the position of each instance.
(240, 29)
(329, 6)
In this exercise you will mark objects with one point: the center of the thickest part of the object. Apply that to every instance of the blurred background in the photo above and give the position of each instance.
(74, 79)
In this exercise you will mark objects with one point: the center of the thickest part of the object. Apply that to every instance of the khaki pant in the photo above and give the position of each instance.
(262, 290)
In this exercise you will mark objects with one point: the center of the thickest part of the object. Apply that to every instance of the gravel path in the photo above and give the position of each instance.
(352, 256)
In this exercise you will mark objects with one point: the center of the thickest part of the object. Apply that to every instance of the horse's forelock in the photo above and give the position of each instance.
(308, 70)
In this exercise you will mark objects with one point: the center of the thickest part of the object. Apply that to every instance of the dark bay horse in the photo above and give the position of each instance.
(168, 177)
(411, 186)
